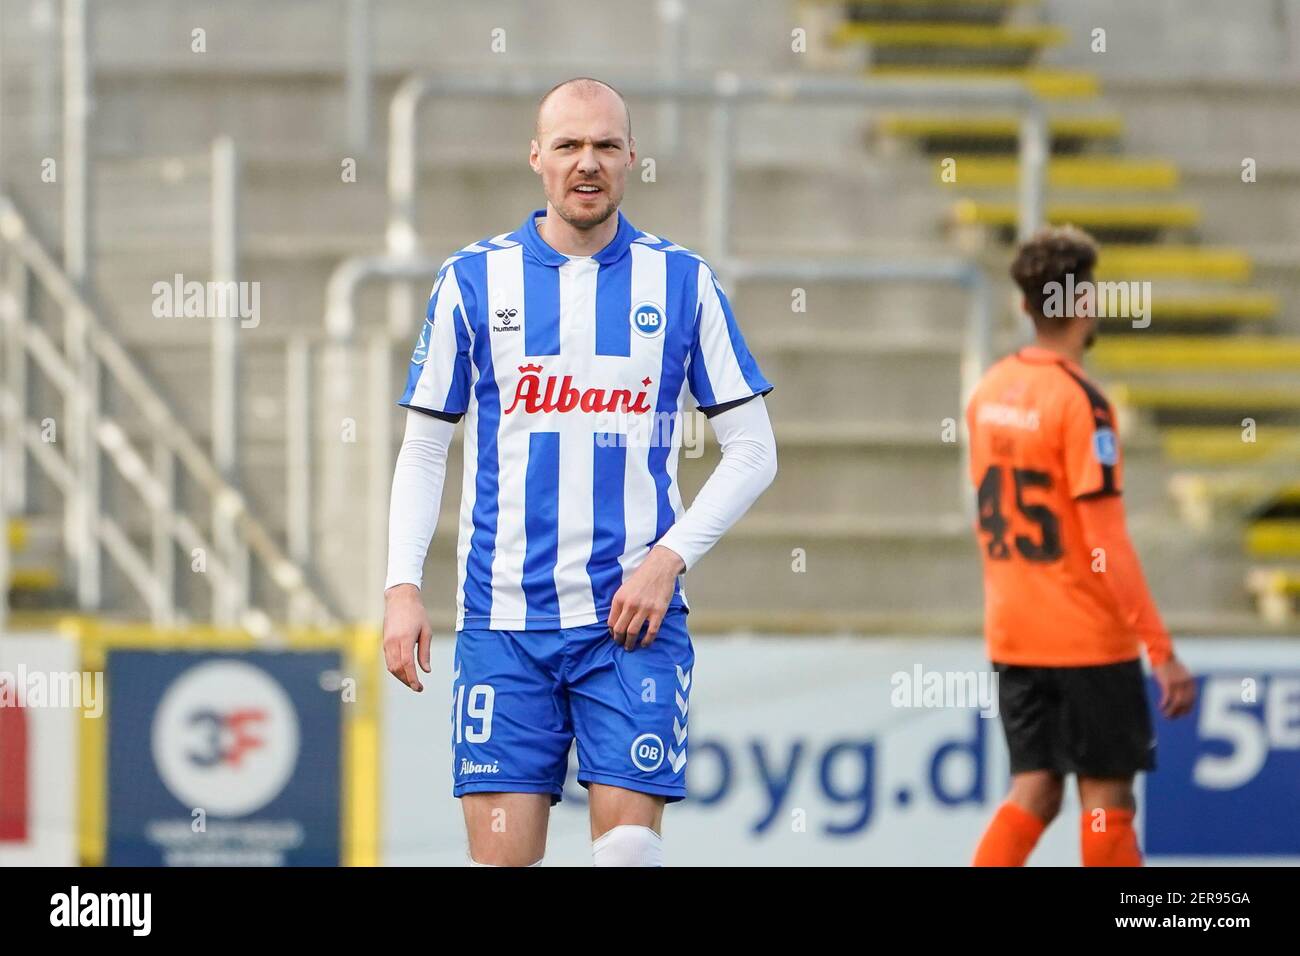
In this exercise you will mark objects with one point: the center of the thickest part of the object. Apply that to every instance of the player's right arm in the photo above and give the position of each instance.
(437, 395)
(412, 516)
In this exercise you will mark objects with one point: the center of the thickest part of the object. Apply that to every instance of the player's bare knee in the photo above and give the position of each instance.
(1041, 793)
(500, 849)
(1099, 792)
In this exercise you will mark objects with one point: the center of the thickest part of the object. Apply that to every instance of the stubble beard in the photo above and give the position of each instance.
(587, 219)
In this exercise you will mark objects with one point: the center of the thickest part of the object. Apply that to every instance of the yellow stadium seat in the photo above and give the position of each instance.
(941, 35)
(1066, 172)
(1245, 399)
(1274, 538)
(949, 126)
(1211, 445)
(34, 579)
(1154, 262)
(1046, 82)
(1093, 216)
(1243, 307)
(1198, 352)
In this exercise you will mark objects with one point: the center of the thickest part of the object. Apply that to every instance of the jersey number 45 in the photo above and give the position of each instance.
(996, 524)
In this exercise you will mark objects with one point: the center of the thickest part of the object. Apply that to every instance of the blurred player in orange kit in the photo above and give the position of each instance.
(1066, 604)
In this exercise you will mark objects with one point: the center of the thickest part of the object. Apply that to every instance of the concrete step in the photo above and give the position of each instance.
(1119, 221)
(1046, 82)
(853, 385)
(538, 35)
(926, 43)
(992, 133)
(1204, 118)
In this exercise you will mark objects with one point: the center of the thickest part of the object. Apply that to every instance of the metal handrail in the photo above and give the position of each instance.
(723, 90)
(168, 433)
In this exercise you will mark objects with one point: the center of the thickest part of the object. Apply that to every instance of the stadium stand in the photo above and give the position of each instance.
(867, 491)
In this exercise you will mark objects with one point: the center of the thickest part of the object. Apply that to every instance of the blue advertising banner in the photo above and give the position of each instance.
(1228, 776)
(223, 758)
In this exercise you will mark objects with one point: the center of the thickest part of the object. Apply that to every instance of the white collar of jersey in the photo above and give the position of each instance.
(538, 247)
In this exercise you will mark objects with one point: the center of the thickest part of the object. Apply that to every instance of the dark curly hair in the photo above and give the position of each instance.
(1049, 256)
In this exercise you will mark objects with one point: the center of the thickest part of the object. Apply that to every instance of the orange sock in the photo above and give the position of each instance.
(1010, 838)
(1116, 845)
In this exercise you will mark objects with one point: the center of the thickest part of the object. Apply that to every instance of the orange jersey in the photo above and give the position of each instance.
(1042, 437)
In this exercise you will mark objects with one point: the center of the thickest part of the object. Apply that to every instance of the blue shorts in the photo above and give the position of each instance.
(519, 698)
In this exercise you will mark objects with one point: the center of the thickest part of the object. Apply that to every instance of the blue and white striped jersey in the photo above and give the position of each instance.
(572, 374)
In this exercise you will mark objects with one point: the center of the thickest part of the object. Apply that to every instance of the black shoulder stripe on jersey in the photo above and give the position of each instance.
(445, 416)
(712, 410)
(1101, 415)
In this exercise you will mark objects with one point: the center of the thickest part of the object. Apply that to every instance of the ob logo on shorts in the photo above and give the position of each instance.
(648, 752)
(647, 319)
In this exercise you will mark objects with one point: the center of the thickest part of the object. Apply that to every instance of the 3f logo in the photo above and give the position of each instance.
(227, 737)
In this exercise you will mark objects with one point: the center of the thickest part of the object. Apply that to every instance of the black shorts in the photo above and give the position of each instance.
(1090, 721)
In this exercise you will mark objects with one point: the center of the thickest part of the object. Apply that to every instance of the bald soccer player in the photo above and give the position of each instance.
(570, 347)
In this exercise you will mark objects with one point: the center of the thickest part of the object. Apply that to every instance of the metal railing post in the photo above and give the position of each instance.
(400, 237)
(75, 172)
(164, 549)
(718, 186)
(12, 414)
(379, 354)
(4, 167)
(672, 43)
(15, 317)
(301, 414)
(80, 526)
(358, 75)
(4, 537)
(43, 84)
(977, 354)
(1035, 145)
(232, 592)
(225, 345)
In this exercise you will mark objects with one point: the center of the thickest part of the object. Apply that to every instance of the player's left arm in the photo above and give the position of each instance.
(1094, 470)
(728, 386)
(747, 467)
(1104, 528)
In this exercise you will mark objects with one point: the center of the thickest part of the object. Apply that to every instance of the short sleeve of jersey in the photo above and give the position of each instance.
(721, 369)
(437, 382)
(1093, 465)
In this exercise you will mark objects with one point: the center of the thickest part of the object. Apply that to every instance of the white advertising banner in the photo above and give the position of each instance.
(867, 751)
(40, 693)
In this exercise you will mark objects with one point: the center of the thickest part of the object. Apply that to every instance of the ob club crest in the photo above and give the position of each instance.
(647, 319)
